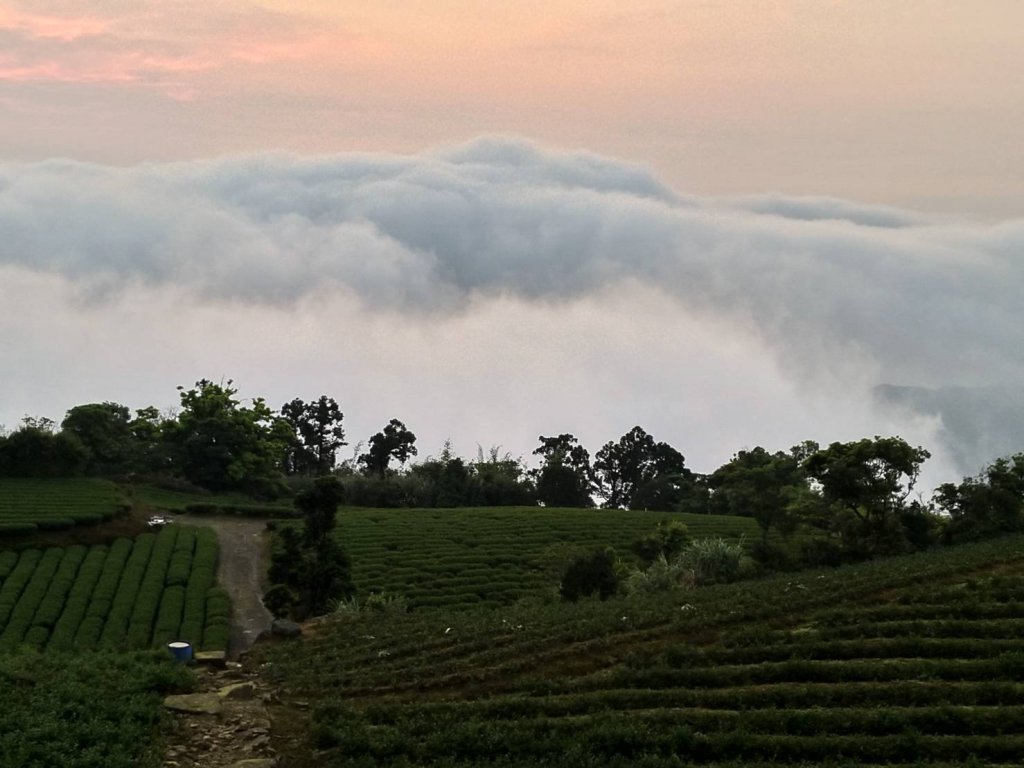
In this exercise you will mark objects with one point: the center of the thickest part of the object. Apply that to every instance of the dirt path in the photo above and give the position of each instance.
(240, 571)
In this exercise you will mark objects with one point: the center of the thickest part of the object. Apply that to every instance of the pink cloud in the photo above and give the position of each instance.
(155, 46)
(52, 27)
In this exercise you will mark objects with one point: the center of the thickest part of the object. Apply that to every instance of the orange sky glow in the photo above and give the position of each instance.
(912, 103)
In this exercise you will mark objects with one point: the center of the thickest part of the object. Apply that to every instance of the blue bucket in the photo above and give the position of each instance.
(180, 651)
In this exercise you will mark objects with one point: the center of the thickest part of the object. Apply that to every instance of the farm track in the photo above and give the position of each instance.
(240, 571)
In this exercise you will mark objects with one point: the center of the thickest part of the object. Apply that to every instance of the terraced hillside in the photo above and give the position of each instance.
(30, 505)
(493, 556)
(909, 661)
(131, 595)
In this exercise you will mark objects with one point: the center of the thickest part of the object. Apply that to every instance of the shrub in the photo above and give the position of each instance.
(116, 625)
(8, 560)
(21, 614)
(280, 600)
(589, 574)
(53, 602)
(168, 618)
(218, 617)
(712, 560)
(659, 576)
(64, 631)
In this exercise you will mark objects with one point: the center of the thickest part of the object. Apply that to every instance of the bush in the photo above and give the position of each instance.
(116, 625)
(712, 561)
(280, 600)
(8, 560)
(659, 576)
(218, 618)
(589, 574)
(64, 631)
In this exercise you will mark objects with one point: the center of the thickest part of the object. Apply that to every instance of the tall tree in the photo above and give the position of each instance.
(565, 477)
(637, 472)
(311, 570)
(990, 504)
(220, 444)
(318, 432)
(866, 484)
(36, 450)
(760, 485)
(393, 442)
(104, 429)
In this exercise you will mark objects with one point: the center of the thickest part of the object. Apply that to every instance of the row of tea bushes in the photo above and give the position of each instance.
(137, 594)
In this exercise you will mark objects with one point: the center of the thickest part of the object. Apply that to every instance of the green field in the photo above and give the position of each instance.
(909, 661)
(28, 506)
(130, 595)
(493, 556)
(97, 710)
(160, 499)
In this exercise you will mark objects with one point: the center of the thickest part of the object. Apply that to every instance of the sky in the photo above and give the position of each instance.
(727, 221)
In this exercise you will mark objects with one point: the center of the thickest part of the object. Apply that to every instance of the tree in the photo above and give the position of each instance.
(639, 473)
(990, 504)
(760, 485)
(35, 450)
(149, 447)
(498, 479)
(104, 430)
(220, 444)
(310, 571)
(866, 484)
(565, 477)
(318, 434)
(393, 442)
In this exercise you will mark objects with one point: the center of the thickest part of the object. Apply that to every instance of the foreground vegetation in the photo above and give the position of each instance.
(130, 595)
(906, 660)
(84, 711)
(457, 558)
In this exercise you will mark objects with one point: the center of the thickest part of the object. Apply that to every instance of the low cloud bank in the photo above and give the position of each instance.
(835, 291)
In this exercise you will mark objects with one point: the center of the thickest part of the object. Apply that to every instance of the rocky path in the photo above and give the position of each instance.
(224, 725)
(240, 571)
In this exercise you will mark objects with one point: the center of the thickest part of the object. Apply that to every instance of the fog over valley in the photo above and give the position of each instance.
(496, 290)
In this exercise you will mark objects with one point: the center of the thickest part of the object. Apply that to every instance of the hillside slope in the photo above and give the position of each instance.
(903, 661)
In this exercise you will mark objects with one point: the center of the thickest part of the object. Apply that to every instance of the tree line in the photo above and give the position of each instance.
(861, 494)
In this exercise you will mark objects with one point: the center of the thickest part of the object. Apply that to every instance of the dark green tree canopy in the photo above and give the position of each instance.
(990, 504)
(393, 442)
(219, 444)
(318, 434)
(761, 485)
(35, 450)
(104, 430)
(639, 473)
(565, 479)
(865, 485)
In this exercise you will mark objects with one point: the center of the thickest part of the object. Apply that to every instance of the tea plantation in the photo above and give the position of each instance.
(467, 557)
(130, 595)
(907, 661)
(28, 506)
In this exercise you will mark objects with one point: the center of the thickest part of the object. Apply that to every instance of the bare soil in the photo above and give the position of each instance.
(241, 572)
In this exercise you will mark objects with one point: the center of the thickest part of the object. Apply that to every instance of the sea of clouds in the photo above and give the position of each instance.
(502, 286)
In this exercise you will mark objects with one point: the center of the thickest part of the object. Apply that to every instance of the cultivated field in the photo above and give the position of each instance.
(130, 595)
(96, 710)
(30, 506)
(493, 556)
(908, 661)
